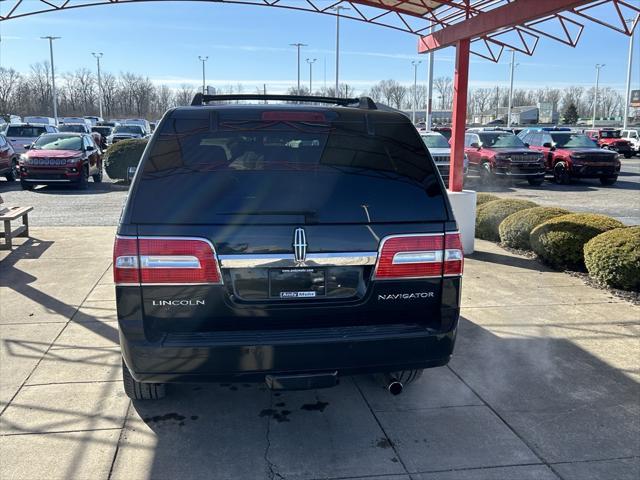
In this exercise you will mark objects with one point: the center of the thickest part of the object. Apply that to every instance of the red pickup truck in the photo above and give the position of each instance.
(611, 139)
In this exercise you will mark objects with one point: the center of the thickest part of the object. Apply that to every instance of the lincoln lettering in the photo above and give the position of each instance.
(177, 303)
(406, 296)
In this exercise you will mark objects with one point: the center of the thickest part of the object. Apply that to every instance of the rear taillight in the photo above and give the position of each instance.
(165, 260)
(419, 256)
(453, 256)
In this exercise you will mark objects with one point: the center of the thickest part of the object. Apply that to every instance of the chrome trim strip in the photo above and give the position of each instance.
(46, 181)
(288, 260)
(427, 256)
(169, 261)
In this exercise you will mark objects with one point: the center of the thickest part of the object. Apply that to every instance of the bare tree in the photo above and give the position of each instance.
(185, 94)
(444, 87)
(10, 81)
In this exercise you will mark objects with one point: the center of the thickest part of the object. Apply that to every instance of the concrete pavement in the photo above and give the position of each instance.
(544, 384)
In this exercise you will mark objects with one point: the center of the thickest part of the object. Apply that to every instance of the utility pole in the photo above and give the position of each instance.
(204, 82)
(338, 9)
(428, 119)
(298, 45)
(627, 98)
(54, 96)
(513, 66)
(98, 57)
(415, 88)
(595, 95)
(311, 62)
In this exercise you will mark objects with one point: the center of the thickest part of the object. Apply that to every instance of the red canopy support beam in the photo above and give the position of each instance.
(509, 15)
(459, 119)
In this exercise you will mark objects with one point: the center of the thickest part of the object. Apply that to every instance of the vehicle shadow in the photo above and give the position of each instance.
(93, 189)
(549, 391)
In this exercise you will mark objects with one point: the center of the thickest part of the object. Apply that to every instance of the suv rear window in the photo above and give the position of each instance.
(29, 132)
(287, 167)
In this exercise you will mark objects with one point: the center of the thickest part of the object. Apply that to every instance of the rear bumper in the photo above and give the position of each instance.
(251, 355)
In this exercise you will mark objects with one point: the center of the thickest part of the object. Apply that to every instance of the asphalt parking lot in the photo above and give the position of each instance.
(543, 384)
(621, 201)
(101, 203)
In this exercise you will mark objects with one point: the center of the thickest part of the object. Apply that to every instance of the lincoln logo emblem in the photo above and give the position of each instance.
(299, 245)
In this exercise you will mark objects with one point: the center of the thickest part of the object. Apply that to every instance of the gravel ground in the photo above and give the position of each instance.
(101, 203)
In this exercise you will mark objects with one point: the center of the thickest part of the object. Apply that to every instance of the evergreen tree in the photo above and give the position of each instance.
(570, 116)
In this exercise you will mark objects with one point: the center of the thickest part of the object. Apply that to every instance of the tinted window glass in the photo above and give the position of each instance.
(435, 141)
(610, 134)
(500, 140)
(572, 140)
(337, 169)
(75, 128)
(104, 131)
(133, 129)
(58, 142)
(18, 131)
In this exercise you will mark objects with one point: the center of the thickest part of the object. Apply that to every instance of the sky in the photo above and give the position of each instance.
(250, 45)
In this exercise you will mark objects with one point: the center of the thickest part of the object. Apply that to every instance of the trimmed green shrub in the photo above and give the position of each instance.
(560, 241)
(122, 155)
(613, 258)
(489, 216)
(482, 197)
(516, 228)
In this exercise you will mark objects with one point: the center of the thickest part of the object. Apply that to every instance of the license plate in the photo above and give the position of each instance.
(295, 283)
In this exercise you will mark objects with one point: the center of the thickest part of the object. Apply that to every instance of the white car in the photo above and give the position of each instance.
(440, 151)
(146, 126)
(22, 134)
(40, 121)
(633, 137)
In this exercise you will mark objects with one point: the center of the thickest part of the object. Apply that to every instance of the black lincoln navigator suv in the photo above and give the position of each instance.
(288, 243)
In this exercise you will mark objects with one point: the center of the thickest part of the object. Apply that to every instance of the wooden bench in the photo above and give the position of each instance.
(7, 215)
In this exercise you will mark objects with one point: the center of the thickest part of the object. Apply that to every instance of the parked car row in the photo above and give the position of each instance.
(534, 153)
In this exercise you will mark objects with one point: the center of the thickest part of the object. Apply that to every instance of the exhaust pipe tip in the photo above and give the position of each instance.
(395, 387)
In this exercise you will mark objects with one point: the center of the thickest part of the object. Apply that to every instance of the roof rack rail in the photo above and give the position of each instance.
(363, 102)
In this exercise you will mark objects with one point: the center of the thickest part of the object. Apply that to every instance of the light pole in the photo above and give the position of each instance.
(53, 78)
(428, 119)
(513, 66)
(595, 95)
(298, 45)
(98, 57)
(338, 9)
(627, 97)
(204, 83)
(311, 62)
(415, 88)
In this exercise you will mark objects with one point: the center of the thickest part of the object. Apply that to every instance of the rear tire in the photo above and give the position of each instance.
(628, 155)
(26, 186)
(535, 182)
(608, 180)
(141, 391)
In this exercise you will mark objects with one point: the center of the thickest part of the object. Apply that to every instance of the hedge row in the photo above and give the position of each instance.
(608, 250)
(490, 215)
(122, 155)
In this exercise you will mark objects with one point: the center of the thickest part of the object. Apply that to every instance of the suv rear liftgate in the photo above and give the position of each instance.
(286, 243)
